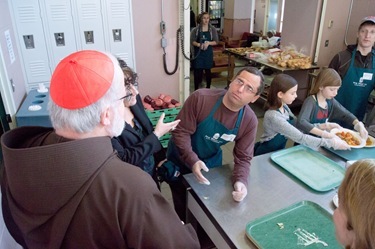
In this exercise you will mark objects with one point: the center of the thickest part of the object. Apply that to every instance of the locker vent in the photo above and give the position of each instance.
(27, 14)
(90, 11)
(37, 68)
(59, 12)
(118, 10)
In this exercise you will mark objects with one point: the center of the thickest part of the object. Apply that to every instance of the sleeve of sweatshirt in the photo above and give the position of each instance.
(283, 127)
(341, 113)
(304, 116)
(182, 134)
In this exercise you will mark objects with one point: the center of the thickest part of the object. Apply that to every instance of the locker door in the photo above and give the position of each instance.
(119, 29)
(31, 40)
(59, 29)
(89, 24)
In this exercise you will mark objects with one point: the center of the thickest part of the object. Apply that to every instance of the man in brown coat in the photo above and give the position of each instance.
(66, 188)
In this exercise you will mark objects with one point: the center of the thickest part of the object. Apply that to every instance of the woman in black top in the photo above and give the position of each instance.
(139, 143)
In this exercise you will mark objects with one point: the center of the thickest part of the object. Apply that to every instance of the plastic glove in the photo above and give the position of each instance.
(327, 135)
(196, 169)
(162, 128)
(339, 144)
(240, 191)
(330, 126)
(360, 127)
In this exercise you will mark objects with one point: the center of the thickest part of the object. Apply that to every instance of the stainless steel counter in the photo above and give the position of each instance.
(270, 189)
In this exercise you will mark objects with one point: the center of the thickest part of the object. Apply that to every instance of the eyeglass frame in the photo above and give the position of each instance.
(248, 88)
(126, 97)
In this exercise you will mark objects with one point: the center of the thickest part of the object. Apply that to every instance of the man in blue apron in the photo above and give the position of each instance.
(211, 118)
(356, 67)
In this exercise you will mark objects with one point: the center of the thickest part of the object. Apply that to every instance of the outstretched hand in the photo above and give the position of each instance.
(162, 128)
(339, 144)
(196, 169)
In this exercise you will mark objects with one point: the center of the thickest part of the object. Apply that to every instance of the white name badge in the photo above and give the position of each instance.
(367, 76)
(228, 137)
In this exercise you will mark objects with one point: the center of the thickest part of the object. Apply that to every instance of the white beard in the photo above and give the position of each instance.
(118, 124)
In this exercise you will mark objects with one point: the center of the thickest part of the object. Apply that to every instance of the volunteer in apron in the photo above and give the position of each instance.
(202, 38)
(278, 120)
(211, 118)
(357, 68)
(322, 106)
(278, 142)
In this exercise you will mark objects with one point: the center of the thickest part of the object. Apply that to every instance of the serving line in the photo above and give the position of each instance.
(271, 188)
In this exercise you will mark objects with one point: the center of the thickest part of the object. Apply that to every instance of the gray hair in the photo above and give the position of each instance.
(85, 119)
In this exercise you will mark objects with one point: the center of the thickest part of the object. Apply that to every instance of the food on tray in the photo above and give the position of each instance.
(369, 142)
(291, 59)
(163, 101)
(281, 225)
(243, 51)
(348, 138)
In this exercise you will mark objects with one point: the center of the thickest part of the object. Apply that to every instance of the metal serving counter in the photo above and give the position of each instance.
(270, 189)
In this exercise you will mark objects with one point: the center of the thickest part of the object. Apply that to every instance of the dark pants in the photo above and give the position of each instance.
(178, 190)
(198, 77)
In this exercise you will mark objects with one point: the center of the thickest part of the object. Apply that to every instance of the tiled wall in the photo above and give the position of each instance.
(6, 241)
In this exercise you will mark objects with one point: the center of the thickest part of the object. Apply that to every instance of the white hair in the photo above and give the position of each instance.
(85, 119)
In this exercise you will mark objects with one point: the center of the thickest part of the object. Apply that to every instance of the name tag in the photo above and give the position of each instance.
(367, 76)
(228, 137)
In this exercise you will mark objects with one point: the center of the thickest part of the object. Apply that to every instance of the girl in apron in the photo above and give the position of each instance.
(203, 37)
(278, 120)
(321, 106)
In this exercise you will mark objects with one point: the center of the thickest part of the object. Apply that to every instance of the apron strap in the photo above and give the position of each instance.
(216, 106)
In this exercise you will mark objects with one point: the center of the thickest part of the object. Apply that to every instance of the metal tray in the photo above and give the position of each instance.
(315, 170)
(302, 225)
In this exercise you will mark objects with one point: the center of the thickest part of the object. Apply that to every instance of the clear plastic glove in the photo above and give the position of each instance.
(162, 128)
(326, 134)
(330, 126)
(339, 144)
(360, 127)
(240, 191)
(196, 169)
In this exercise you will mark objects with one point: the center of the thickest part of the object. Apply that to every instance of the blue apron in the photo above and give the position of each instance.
(356, 88)
(209, 136)
(205, 59)
(278, 142)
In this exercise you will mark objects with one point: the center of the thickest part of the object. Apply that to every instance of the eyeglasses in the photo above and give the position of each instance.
(248, 88)
(127, 97)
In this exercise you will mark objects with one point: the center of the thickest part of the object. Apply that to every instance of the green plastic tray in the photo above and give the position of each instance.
(302, 225)
(315, 170)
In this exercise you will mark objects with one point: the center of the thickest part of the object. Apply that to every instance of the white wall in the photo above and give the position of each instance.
(10, 69)
(149, 53)
(336, 34)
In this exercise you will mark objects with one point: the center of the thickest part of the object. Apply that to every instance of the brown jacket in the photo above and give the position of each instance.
(60, 193)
